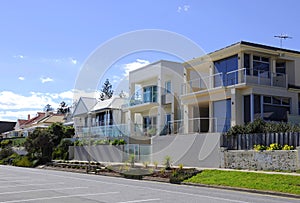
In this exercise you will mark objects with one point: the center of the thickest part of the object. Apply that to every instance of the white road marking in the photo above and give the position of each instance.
(46, 189)
(60, 197)
(141, 187)
(37, 184)
(142, 200)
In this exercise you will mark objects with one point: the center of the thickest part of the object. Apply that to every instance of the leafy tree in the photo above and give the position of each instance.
(41, 143)
(63, 108)
(48, 108)
(106, 91)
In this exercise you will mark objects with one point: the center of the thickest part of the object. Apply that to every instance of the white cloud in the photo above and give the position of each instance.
(184, 8)
(19, 56)
(21, 78)
(14, 106)
(134, 65)
(46, 79)
(73, 61)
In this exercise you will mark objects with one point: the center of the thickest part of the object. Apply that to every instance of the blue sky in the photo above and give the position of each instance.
(44, 44)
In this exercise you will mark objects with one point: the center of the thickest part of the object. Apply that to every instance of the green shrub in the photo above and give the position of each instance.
(6, 152)
(22, 161)
(167, 162)
(6, 143)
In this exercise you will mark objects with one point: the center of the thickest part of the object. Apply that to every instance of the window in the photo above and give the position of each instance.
(261, 66)
(150, 94)
(223, 67)
(280, 68)
(247, 63)
(276, 108)
(167, 87)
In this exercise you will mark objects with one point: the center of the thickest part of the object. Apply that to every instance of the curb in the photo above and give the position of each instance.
(263, 192)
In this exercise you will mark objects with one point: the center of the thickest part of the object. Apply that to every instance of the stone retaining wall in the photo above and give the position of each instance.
(261, 160)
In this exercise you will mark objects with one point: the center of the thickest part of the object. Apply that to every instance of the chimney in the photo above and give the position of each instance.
(28, 117)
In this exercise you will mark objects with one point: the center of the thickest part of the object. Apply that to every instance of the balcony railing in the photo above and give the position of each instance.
(240, 76)
(107, 131)
(148, 97)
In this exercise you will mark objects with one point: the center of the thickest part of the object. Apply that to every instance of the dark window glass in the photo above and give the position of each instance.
(257, 107)
(247, 63)
(224, 66)
(261, 66)
(267, 99)
(275, 113)
(247, 111)
(285, 101)
(276, 100)
(280, 68)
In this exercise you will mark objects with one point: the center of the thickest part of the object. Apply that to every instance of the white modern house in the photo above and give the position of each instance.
(154, 98)
(238, 83)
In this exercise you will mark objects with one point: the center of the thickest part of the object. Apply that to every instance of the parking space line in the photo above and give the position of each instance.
(60, 197)
(37, 190)
(142, 200)
(37, 184)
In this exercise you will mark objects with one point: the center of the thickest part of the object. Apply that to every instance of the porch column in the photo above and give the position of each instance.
(233, 107)
(131, 123)
(252, 107)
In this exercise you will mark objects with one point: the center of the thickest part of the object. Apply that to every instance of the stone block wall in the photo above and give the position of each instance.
(261, 160)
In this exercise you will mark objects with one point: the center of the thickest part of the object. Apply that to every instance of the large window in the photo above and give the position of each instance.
(275, 108)
(270, 108)
(150, 94)
(226, 67)
(261, 66)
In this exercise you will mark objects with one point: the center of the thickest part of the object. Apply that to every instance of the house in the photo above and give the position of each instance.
(154, 98)
(41, 120)
(108, 119)
(101, 118)
(239, 83)
(80, 114)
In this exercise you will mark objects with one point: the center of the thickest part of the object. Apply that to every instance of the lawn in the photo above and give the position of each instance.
(259, 181)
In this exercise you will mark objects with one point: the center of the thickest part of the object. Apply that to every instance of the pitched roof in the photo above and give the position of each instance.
(38, 117)
(112, 103)
(53, 118)
(84, 105)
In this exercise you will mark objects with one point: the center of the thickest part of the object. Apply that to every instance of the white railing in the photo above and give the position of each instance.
(198, 125)
(107, 131)
(240, 76)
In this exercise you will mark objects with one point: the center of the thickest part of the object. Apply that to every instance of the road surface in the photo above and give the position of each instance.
(39, 185)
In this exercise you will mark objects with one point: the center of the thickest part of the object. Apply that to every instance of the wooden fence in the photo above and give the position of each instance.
(247, 141)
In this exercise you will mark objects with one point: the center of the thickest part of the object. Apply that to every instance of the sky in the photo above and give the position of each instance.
(44, 44)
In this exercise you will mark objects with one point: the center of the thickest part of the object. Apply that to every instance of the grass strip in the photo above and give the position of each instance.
(259, 181)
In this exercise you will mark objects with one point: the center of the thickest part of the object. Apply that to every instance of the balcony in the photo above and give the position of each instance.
(148, 98)
(237, 77)
(107, 131)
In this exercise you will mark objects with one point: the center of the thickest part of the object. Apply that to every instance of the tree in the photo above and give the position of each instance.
(63, 108)
(41, 143)
(106, 91)
(122, 94)
(48, 108)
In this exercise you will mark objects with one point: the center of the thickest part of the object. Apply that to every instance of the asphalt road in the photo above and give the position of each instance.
(38, 185)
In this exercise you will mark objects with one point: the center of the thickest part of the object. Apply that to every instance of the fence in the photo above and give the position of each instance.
(247, 141)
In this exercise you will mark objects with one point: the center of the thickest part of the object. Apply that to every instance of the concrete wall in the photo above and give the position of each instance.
(100, 153)
(264, 160)
(195, 150)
